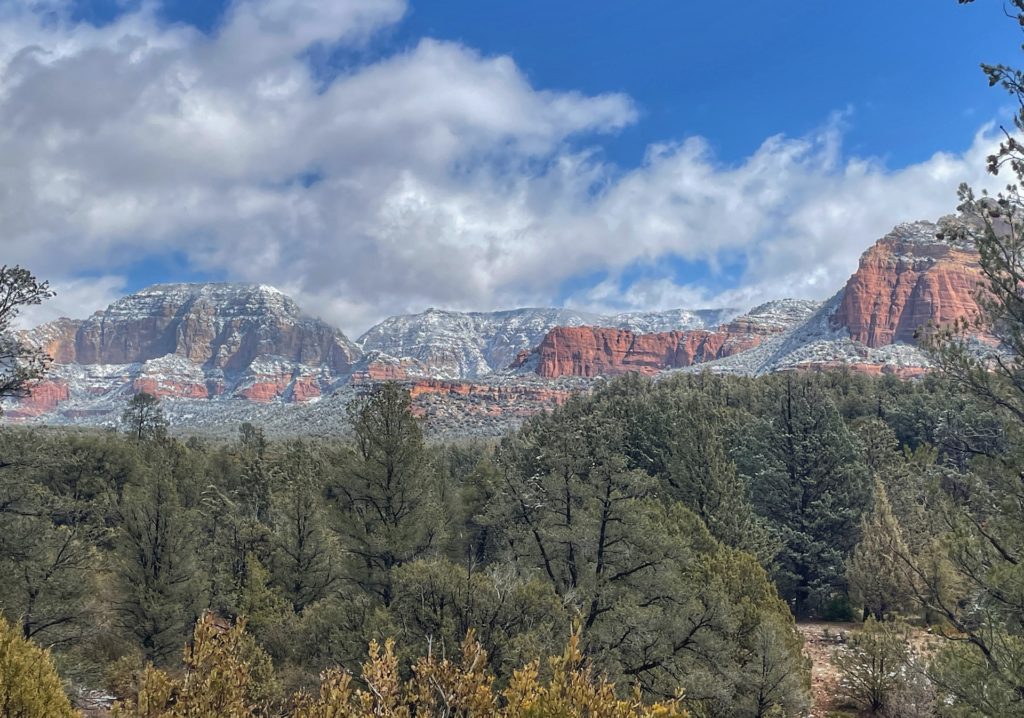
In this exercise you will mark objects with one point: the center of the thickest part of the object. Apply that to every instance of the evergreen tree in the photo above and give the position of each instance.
(143, 419)
(387, 496)
(807, 479)
(256, 484)
(29, 684)
(438, 602)
(873, 666)
(982, 670)
(304, 557)
(154, 566)
(702, 476)
(49, 570)
(658, 598)
(878, 578)
(20, 363)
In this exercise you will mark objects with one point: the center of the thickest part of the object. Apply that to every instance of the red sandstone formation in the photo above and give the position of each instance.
(163, 387)
(598, 351)
(42, 398)
(305, 388)
(376, 368)
(218, 326)
(264, 389)
(908, 280)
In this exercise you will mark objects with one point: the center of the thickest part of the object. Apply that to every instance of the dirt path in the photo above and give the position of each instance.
(820, 641)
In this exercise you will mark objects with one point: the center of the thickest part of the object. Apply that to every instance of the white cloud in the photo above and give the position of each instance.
(74, 298)
(443, 177)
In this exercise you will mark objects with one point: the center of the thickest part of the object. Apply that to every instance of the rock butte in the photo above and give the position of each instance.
(907, 280)
(599, 351)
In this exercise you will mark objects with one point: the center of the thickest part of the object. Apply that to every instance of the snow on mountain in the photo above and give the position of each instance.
(219, 354)
(461, 345)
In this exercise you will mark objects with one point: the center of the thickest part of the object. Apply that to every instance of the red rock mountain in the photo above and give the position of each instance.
(194, 341)
(217, 326)
(606, 351)
(907, 280)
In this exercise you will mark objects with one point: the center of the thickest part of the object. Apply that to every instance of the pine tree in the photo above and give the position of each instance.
(702, 476)
(807, 479)
(659, 599)
(154, 566)
(303, 555)
(143, 419)
(387, 496)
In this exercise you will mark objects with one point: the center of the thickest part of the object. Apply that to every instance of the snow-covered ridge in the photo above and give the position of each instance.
(454, 344)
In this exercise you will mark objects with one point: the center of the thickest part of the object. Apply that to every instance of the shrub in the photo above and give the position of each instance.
(29, 685)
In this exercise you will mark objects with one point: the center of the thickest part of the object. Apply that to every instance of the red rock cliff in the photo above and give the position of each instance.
(602, 351)
(906, 280)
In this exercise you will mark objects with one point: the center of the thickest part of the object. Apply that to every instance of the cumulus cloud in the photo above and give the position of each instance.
(433, 176)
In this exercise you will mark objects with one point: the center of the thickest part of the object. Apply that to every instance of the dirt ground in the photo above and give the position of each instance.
(820, 641)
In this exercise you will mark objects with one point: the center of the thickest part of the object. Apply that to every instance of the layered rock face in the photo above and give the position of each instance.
(45, 397)
(217, 326)
(468, 345)
(219, 350)
(607, 351)
(907, 280)
(192, 341)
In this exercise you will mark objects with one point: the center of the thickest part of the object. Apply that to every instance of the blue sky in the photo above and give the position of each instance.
(862, 94)
(762, 68)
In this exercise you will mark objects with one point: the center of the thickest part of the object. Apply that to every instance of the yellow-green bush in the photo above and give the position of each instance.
(219, 682)
(29, 685)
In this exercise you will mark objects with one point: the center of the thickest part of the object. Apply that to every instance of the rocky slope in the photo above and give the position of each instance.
(195, 341)
(221, 353)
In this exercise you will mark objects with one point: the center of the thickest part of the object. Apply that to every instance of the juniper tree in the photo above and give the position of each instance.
(878, 579)
(29, 684)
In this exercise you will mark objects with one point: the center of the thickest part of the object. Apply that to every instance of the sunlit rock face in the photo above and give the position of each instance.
(908, 280)
(607, 351)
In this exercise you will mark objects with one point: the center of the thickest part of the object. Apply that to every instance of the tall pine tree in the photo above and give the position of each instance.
(807, 478)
